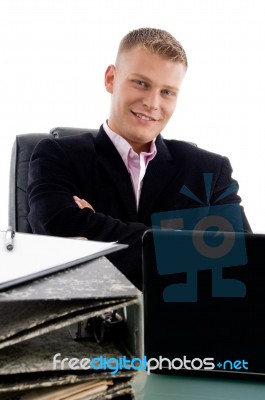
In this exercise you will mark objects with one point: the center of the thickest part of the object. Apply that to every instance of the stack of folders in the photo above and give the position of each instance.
(71, 335)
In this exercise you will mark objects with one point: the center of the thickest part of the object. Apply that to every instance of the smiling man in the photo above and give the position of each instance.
(106, 187)
(144, 88)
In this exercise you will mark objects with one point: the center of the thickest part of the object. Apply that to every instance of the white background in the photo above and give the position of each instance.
(53, 55)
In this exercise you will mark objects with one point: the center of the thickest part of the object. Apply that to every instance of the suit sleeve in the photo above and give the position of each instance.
(51, 187)
(226, 191)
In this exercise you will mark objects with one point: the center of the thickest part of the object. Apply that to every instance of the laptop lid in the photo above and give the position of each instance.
(204, 302)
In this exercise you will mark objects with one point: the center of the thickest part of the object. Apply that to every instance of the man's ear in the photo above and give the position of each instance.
(109, 78)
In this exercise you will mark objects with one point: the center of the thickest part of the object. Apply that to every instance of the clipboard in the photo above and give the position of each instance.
(26, 256)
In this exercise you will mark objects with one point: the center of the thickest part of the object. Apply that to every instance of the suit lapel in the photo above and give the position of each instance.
(114, 166)
(159, 173)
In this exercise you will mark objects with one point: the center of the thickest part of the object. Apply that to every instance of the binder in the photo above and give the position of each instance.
(89, 311)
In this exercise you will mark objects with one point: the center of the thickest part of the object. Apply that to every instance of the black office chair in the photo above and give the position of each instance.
(23, 146)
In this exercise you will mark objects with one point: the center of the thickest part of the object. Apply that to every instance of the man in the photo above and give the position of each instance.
(107, 187)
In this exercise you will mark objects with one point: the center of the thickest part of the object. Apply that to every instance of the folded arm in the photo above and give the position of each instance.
(53, 183)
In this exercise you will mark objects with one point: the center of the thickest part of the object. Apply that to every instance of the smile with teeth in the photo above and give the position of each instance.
(143, 117)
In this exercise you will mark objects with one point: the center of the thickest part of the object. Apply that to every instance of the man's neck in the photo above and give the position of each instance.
(138, 148)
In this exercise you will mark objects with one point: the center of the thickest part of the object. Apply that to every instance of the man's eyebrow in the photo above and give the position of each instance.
(144, 78)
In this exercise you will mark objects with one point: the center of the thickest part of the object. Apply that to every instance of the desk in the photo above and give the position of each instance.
(165, 387)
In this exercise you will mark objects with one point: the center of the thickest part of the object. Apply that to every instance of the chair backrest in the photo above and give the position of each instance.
(23, 146)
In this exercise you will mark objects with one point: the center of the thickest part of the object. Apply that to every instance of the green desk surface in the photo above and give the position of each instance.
(165, 387)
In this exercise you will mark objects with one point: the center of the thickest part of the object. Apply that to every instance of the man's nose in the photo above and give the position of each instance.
(151, 100)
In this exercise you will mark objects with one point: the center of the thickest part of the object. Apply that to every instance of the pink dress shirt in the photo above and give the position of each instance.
(136, 164)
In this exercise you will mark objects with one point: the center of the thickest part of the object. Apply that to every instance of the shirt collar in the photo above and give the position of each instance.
(124, 148)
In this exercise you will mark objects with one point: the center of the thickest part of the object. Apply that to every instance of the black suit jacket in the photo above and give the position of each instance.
(90, 167)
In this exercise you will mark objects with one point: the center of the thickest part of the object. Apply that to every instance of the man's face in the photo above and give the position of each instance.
(144, 88)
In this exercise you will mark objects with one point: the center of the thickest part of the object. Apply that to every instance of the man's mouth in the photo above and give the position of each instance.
(143, 116)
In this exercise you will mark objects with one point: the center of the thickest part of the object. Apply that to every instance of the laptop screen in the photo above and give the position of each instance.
(204, 307)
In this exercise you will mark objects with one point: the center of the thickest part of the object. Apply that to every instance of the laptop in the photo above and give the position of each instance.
(204, 302)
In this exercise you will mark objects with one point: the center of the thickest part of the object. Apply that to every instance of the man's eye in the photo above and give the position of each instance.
(168, 92)
(141, 83)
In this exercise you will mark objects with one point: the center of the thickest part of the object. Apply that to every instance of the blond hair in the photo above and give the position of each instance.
(157, 41)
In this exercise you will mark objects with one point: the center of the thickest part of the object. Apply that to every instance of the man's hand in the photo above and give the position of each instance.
(82, 203)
